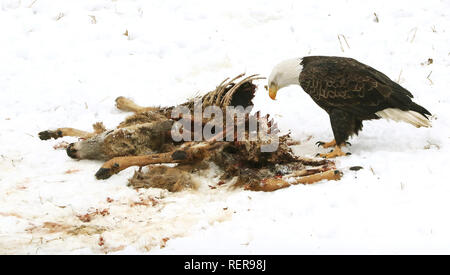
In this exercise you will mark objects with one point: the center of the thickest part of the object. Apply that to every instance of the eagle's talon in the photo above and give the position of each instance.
(336, 152)
(326, 144)
(319, 143)
(375, 96)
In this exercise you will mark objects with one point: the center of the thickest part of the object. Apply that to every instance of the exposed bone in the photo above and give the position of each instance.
(144, 139)
(125, 104)
(273, 184)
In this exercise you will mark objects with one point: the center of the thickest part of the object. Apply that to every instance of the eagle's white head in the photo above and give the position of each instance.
(284, 74)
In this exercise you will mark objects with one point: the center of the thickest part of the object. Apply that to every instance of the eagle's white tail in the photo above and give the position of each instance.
(411, 117)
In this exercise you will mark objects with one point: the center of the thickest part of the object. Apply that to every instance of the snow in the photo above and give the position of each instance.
(64, 62)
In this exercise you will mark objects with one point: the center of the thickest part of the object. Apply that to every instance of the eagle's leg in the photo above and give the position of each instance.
(336, 152)
(343, 125)
(330, 144)
(326, 144)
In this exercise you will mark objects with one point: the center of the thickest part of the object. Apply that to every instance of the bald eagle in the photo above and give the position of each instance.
(350, 92)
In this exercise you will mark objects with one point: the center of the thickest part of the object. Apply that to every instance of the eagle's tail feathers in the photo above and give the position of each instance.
(411, 117)
(416, 107)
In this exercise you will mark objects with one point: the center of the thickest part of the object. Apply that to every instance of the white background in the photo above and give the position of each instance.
(60, 67)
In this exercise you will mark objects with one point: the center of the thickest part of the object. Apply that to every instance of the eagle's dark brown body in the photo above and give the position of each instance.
(351, 92)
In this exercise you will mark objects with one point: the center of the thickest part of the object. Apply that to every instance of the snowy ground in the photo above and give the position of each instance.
(62, 63)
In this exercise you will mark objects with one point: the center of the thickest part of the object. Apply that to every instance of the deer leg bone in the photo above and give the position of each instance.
(72, 132)
(327, 175)
(115, 165)
(182, 155)
(273, 184)
(127, 105)
(64, 132)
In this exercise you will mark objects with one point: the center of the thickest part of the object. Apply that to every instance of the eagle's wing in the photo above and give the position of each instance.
(349, 85)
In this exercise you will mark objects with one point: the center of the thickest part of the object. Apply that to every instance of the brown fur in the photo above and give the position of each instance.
(144, 139)
(172, 179)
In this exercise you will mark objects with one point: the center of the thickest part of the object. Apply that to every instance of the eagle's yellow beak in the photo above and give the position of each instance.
(273, 89)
